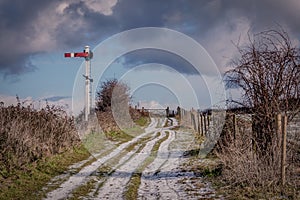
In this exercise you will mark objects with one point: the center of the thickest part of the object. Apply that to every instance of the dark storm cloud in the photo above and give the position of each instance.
(145, 56)
(137, 13)
(17, 64)
(83, 25)
(33, 26)
(200, 16)
(15, 33)
(17, 15)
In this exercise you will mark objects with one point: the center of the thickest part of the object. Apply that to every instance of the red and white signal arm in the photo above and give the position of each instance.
(80, 54)
(87, 54)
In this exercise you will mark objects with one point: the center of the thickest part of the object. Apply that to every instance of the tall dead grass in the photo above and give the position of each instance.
(27, 134)
(243, 167)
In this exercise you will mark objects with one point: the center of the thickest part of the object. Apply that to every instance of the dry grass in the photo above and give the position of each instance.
(260, 176)
(27, 135)
(110, 125)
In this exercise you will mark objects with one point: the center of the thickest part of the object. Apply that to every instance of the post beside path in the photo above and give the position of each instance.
(88, 55)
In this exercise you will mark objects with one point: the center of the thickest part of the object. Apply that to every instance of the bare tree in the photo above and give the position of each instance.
(268, 72)
(112, 105)
(106, 92)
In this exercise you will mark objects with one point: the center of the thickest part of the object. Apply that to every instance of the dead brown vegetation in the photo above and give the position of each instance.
(268, 73)
(27, 135)
(112, 107)
(243, 168)
(251, 148)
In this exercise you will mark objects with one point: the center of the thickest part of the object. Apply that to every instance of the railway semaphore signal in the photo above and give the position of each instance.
(88, 55)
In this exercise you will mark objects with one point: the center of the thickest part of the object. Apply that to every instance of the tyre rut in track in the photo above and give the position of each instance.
(115, 186)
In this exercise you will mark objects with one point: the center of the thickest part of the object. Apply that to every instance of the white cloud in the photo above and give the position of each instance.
(155, 105)
(61, 7)
(8, 100)
(104, 7)
(151, 105)
(101, 6)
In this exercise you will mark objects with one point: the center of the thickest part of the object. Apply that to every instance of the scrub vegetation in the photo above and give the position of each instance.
(35, 145)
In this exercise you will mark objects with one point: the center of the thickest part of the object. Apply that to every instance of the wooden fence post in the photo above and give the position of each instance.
(208, 120)
(205, 129)
(234, 127)
(201, 122)
(283, 157)
(193, 121)
(198, 123)
(278, 132)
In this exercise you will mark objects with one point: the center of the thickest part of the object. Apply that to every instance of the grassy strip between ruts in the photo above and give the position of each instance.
(28, 182)
(82, 190)
(135, 181)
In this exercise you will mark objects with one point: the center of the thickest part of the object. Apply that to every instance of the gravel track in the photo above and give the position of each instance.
(163, 177)
(83, 175)
(115, 185)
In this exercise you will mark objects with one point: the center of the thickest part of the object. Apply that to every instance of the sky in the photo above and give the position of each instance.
(35, 34)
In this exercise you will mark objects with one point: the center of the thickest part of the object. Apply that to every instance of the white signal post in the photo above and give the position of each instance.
(88, 81)
(88, 55)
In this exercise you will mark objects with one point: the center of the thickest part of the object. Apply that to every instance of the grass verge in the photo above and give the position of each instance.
(134, 131)
(211, 169)
(142, 121)
(118, 136)
(28, 182)
(244, 192)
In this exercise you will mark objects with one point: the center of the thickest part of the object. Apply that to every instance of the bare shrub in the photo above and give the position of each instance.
(27, 134)
(243, 167)
(268, 73)
(104, 103)
(107, 122)
(105, 95)
(112, 107)
(293, 152)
